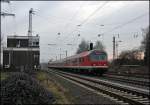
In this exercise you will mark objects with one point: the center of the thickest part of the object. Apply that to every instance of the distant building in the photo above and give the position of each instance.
(22, 53)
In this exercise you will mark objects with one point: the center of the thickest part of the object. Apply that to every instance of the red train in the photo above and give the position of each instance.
(94, 61)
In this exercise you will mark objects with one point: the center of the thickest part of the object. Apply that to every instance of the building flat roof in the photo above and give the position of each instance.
(21, 49)
(21, 37)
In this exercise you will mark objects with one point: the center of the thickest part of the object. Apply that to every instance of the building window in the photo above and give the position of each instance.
(36, 56)
(37, 43)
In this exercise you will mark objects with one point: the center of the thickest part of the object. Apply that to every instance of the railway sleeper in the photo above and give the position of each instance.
(125, 99)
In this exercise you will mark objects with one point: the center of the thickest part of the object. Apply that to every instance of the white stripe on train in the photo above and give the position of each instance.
(82, 67)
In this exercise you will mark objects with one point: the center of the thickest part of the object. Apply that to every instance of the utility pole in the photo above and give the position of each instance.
(116, 50)
(66, 56)
(4, 14)
(148, 51)
(114, 47)
(56, 57)
(60, 54)
(66, 53)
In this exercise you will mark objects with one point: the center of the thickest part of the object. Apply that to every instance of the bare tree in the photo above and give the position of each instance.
(83, 46)
(145, 45)
(99, 45)
(131, 54)
(130, 57)
(145, 38)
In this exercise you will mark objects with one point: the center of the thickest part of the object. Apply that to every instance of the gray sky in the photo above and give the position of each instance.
(125, 18)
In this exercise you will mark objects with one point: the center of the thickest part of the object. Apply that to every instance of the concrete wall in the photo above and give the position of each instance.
(21, 59)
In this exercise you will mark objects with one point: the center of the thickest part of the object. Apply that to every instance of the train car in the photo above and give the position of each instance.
(94, 61)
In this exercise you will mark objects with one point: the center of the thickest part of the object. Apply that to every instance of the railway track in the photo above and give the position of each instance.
(136, 81)
(133, 81)
(143, 76)
(122, 94)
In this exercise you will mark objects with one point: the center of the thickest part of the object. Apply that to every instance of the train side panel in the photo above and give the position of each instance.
(82, 64)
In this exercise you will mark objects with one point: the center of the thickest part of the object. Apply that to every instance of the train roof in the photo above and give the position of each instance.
(83, 54)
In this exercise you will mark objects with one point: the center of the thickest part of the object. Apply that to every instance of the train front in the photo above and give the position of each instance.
(99, 61)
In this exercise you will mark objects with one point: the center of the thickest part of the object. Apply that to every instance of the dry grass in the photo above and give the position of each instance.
(4, 75)
(61, 95)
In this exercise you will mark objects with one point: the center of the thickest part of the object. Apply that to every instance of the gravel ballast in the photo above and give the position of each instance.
(79, 94)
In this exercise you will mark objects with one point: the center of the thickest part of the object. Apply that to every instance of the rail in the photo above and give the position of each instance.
(122, 93)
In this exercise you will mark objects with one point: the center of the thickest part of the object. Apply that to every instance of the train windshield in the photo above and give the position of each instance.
(98, 56)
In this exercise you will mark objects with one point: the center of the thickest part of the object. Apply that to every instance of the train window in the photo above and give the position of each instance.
(72, 61)
(97, 57)
(75, 60)
(88, 58)
(82, 59)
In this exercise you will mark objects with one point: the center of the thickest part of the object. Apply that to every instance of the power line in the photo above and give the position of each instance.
(128, 22)
(51, 16)
(99, 8)
(86, 18)
(74, 15)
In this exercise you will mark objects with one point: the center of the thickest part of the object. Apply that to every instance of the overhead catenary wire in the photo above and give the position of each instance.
(121, 25)
(73, 16)
(93, 13)
(84, 21)
(115, 27)
(86, 18)
(47, 19)
(127, 22)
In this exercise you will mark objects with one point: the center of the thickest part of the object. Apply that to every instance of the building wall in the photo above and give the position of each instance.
(21, 60)
(22, 53)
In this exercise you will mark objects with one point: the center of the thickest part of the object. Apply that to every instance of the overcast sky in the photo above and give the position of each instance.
(70, 18)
